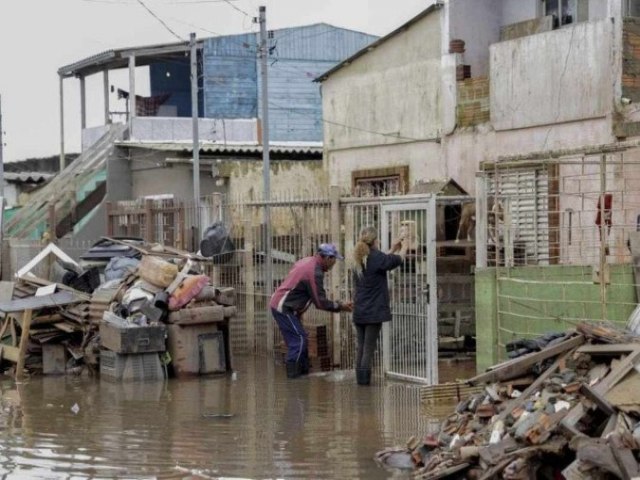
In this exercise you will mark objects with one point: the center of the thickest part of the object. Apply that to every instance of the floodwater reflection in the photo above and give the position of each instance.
(259, 426)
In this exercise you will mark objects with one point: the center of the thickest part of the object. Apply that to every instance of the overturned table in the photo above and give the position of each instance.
(20, 313)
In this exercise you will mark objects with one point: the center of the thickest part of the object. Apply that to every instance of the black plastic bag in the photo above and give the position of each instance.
(217, 244)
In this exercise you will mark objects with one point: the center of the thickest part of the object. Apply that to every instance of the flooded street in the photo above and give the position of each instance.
(258, 426)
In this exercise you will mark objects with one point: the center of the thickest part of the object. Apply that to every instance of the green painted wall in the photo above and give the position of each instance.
(524, 302)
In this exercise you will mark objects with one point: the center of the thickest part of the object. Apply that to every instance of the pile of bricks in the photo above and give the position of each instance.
(319, 347)
(567, 408)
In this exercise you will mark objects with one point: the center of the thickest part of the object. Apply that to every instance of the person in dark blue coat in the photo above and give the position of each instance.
(371, 301)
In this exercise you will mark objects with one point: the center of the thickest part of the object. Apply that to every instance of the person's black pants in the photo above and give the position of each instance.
(367, 340)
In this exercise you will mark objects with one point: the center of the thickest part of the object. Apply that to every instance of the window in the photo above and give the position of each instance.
(632, 8)
(380, 182)
(564, 12)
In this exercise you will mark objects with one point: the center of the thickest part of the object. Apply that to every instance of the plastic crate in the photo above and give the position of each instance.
(130, 367)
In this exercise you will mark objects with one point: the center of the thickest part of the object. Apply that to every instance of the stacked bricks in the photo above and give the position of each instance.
(473, 101)
(319, 347)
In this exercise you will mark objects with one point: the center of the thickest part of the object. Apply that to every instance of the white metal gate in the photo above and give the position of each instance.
(409, 344)
(410, 341)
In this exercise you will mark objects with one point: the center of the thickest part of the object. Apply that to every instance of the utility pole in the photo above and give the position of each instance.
(266, 167)
(1, 157)
(196, 136)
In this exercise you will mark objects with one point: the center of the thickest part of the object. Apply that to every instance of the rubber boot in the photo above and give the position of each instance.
(363, 376)
(293, 369)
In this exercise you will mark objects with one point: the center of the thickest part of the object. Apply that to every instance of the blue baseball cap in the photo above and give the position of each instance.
(329, 250)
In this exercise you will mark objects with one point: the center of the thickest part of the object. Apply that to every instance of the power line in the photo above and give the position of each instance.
(175, 2)
(309, 112)
(228, 2)
(161, 21)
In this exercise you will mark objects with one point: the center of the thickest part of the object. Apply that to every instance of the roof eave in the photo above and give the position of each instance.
(119, 58)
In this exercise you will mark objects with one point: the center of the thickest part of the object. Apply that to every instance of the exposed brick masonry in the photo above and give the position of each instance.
(631, 59)
(473, 101)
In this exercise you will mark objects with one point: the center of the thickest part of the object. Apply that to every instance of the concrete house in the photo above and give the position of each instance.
(468, 82)
(144, 145)
(531, 105)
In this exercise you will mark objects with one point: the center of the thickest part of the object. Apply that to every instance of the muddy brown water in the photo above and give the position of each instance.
(259, 426)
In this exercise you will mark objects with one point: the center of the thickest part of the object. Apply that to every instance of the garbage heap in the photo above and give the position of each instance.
(145, 318)
(570, 409)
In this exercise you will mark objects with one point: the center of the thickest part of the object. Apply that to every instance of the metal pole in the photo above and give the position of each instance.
(266, 172)
(105, 88)
(1, 155)
(62, 159)
(196, 135)
(83, 103)
(603, 238)
(132, 94)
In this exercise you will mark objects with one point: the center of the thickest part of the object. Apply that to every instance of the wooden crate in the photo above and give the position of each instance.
(185, 345)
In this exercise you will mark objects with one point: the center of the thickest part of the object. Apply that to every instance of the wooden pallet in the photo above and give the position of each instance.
(448, 393)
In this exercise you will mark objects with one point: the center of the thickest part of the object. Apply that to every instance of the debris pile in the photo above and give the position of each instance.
(568, 407)
(154, 305)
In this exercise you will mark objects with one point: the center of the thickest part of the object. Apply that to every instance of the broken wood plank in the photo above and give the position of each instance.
(65, 327)
(130, 244)
(598, 399)
(521, 365)
(607, 349)
(45, 319)
(595, 451)
(35, 303)
(610, 426)
(493, 471)
(617, 373)
(623, 457)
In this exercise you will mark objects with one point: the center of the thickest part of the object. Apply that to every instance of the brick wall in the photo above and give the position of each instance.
(631, 59)
(473, 101)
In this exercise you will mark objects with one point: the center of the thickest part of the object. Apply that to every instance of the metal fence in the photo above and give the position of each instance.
(560, 232)
(259, 258)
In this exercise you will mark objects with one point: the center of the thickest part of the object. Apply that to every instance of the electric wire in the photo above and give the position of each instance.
(164, 24)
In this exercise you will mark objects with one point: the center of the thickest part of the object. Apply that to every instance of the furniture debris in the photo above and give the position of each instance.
(160, 316)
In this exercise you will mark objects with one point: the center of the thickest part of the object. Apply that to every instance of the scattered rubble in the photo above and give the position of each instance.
(568, 407)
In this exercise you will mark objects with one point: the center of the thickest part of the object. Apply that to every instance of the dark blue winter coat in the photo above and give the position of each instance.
(371, 301)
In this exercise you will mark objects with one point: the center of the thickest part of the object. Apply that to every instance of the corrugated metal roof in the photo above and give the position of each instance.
(119, 58)
(432, 8)
(307, 148)
(27, 177)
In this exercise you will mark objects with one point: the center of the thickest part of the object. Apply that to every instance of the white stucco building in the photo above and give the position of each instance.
(537, 80)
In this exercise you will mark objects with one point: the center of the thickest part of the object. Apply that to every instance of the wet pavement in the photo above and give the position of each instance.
(258, 426)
